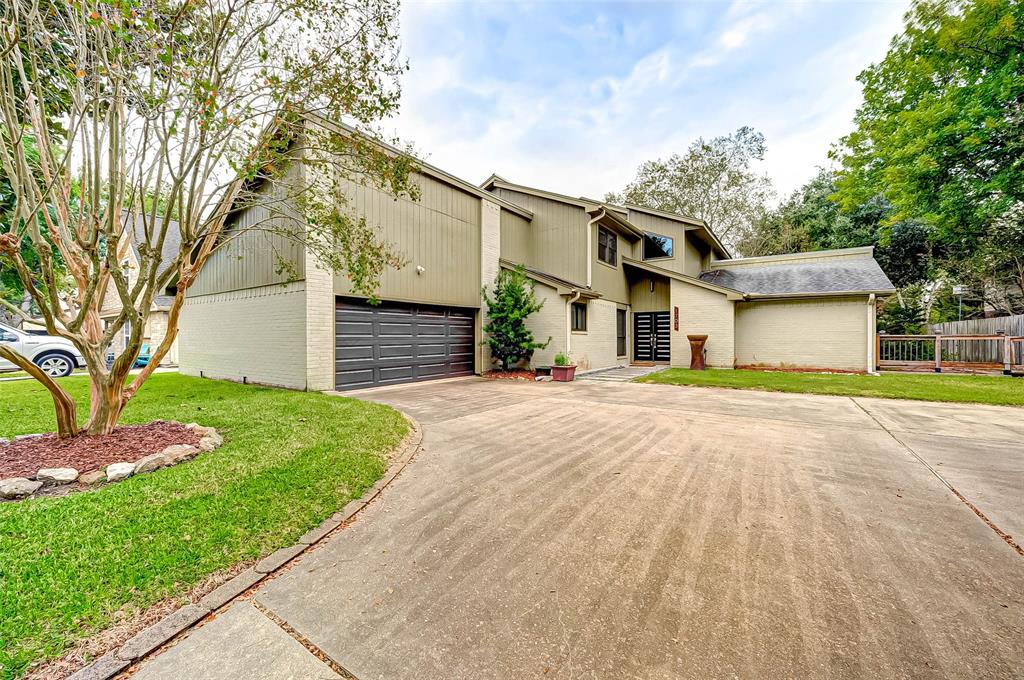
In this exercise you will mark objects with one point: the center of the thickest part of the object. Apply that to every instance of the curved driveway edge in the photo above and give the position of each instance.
(185, 618)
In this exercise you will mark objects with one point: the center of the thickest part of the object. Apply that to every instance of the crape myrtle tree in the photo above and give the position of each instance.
(190, 108)
(512, 300)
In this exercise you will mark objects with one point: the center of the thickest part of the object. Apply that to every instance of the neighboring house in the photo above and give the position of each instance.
(156, 324)
(620, 284)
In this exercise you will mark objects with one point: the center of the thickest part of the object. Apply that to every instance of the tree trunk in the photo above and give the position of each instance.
(106, 405)
(107, 396)
(64, 406)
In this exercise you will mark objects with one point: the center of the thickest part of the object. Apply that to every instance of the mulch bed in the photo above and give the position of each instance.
(25, 457)
(511, 375)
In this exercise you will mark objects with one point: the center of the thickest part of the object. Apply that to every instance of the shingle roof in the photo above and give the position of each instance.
(825, 276)
(171, 245)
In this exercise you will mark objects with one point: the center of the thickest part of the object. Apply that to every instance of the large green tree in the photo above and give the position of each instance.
(811, 219)
(940, 135)
(713, 180)
(194, 109)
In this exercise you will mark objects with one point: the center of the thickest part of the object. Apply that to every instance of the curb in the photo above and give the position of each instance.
(188, 616)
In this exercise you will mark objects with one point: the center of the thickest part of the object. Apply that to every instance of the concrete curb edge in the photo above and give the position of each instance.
(183, 619)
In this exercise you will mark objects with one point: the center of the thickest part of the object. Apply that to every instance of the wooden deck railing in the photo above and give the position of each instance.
(954, 352)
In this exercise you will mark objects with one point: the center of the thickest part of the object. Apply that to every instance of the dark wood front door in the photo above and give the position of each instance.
(651, 336)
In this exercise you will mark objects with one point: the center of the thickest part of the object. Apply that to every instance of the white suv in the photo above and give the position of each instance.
(57, 356)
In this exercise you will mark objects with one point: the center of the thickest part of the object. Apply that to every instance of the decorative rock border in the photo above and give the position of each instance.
(19, 488)
(156, 636)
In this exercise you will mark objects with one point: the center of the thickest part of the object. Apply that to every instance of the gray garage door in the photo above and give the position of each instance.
(395, 343)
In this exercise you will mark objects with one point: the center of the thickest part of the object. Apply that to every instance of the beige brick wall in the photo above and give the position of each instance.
(320, 334)
(548, 322)
(490, 252)
(815, 333)
(596, 348)
(257, 333)
(702, 311)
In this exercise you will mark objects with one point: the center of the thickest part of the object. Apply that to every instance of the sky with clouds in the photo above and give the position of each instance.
(573, 96)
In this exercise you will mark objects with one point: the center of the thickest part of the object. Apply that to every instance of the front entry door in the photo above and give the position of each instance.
(650, 336)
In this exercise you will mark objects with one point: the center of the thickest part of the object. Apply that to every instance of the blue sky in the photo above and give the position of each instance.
(573, 96)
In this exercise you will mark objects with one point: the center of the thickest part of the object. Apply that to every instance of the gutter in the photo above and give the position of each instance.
(590, 246)
(828, 293)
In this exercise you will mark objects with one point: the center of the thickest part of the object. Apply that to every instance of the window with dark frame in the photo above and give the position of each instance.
(620, 332)
(656, 246)
(607, 246)
(579, 316)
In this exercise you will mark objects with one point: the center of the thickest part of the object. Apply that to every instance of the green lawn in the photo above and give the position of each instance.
(290, 459)
(978, 389)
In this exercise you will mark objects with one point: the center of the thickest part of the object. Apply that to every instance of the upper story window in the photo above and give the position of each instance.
(607, 246)
(656, 246)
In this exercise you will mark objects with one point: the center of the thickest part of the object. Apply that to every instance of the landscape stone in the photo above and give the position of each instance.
(57, 475)
(93, 477)
(211, 441)
(18, 487)
(118, 471)
(153, 461)
(177, 453)
(201, 430)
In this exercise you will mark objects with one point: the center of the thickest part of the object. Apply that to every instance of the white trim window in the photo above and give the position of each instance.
(607, 246)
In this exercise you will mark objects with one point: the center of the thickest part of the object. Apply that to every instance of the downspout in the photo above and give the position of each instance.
(590, 246)
(568, 320)
(871, 333)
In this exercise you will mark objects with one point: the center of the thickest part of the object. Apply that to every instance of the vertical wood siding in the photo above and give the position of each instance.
(558, 235)
(642, 299)
(251, 256)
(515, 238)
(440, 232)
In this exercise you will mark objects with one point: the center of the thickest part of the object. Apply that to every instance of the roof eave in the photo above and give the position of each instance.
(602, 212)
(431, 170)
(826, 293)
(730, 293)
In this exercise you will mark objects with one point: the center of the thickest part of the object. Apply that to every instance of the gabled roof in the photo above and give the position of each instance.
(829, 276)
(502, 183)
(693, 281)
(609, 217)
(562, 286)
(620, 211)
(428, 169)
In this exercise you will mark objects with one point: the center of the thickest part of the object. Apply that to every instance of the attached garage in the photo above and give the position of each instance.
(396, 342)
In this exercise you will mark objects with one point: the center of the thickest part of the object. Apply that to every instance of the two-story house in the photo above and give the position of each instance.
(620, 284)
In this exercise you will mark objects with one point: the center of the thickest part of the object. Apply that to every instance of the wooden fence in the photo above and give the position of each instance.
(959, 353)
(1009, 325)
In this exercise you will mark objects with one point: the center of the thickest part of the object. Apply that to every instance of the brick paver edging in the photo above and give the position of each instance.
(183, 619)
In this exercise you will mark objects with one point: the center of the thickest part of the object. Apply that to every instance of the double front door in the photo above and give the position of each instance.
(651, 336)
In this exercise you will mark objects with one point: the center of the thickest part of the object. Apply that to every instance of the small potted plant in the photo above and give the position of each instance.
(563, 371)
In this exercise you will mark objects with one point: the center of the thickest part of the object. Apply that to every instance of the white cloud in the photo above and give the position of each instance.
(576, 107)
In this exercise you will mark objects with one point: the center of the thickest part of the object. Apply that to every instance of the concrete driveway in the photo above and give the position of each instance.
(597, 530)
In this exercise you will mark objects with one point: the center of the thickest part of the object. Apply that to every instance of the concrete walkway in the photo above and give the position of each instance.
(592, 530)
(620, 373)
